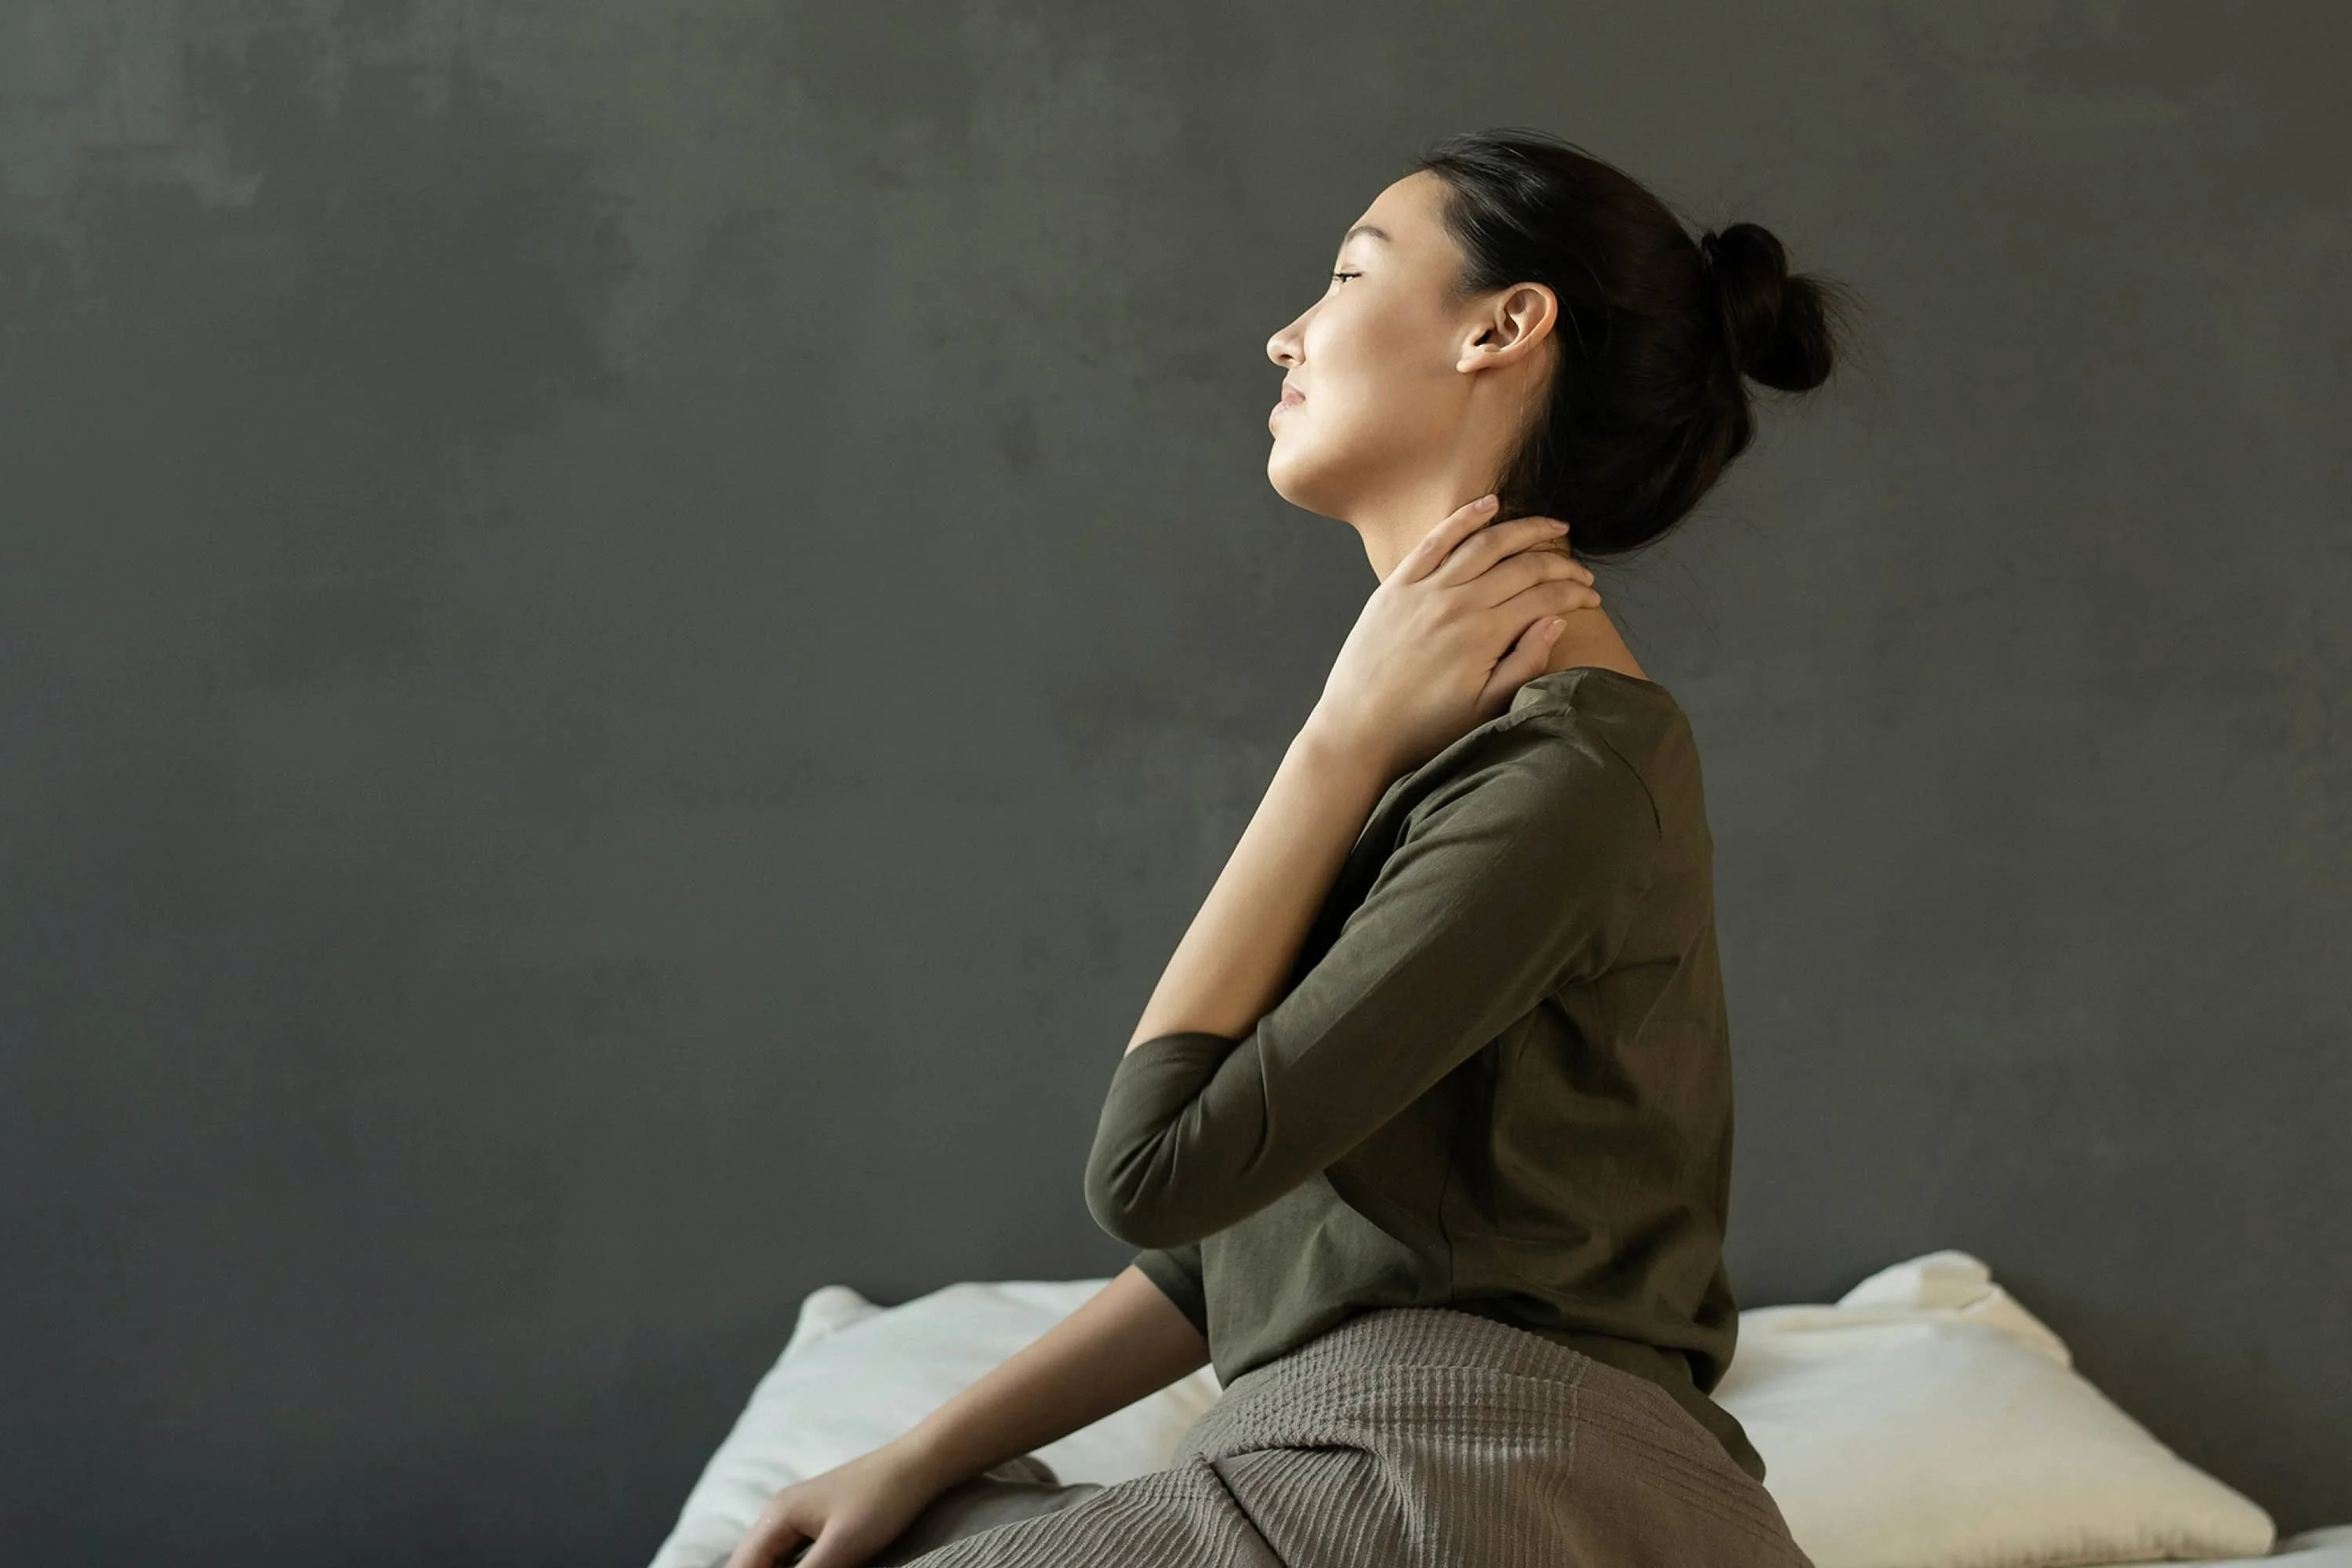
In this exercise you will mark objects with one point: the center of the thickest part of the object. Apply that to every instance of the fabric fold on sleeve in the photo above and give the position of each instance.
(1176, 1271)
(1524, 879)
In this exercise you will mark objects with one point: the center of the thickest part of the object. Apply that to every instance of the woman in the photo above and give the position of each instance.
(1424, 1136)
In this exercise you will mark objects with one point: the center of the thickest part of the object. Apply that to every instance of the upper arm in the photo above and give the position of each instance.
(1503, 890)
(1176, 1271)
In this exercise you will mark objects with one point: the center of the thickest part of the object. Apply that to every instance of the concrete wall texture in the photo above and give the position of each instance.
(628, 632)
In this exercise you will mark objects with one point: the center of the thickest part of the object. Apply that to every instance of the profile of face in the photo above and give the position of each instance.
(1402, 401)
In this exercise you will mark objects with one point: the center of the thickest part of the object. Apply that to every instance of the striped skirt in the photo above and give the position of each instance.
(1405, 1436)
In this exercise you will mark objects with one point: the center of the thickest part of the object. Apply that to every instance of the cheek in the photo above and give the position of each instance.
(1378, 405)
(1375, 371)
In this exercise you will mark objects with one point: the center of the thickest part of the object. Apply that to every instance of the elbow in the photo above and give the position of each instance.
(1153, 1176)
(1130, 1202)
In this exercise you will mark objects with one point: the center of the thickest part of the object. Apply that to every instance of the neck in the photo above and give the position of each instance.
(1400, 519)
(1397, 524)
(1591, 638)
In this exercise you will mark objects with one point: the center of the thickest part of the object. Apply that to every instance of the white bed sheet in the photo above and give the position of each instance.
(833, 1394)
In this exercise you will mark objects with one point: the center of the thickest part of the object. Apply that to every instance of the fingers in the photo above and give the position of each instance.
(1525, 661)
(1481, 550)
(1514, 574)
(1456, 526)
(771, 1541)
(1553, 596)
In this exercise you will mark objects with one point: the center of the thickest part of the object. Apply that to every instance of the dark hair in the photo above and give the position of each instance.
(1658, 333)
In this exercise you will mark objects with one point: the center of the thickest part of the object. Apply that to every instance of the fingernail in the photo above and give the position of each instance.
(1486, 503)
(1556, 627)
(1560, 525)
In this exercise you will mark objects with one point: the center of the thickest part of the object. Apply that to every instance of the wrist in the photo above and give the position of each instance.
(925, 1452)
(1328, 746)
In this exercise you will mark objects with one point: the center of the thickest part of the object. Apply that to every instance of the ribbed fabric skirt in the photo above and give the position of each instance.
(1406, 1436)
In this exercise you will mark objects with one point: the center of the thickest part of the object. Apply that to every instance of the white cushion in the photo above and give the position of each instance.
(854, 1376)
(1925, 1420)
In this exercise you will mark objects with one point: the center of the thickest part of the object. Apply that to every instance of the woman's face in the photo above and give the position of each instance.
(1384, 421)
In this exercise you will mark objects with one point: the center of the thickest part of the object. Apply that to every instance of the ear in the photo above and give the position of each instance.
(1513, 322)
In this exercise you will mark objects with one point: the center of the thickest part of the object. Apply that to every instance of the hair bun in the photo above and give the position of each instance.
(1774, 324)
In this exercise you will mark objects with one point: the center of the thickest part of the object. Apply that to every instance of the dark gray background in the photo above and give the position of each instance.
(631, 630)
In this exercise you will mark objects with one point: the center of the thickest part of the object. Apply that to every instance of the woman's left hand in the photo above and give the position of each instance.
(1464, 619)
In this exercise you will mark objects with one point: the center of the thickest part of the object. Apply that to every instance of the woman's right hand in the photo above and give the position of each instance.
(850, 1513)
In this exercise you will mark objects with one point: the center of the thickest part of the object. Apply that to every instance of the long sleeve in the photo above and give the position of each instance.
(1516, 877)
(1176, 1271)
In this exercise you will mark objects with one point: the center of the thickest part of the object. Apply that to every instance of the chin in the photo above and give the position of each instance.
(1298, 485)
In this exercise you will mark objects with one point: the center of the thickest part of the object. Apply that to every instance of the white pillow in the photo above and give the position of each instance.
(1927, 1420)
(854, 1376)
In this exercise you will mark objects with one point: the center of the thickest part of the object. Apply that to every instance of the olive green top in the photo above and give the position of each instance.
(1498, 1078)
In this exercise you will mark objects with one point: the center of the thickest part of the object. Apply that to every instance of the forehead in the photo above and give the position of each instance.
(1401, 218)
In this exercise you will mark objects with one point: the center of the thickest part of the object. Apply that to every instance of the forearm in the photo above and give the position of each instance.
(1230, 967)
(1126, 1342)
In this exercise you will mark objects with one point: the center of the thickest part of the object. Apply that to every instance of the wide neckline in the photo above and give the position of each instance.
(1528, 696)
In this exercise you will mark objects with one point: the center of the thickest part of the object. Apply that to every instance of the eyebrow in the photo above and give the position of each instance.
(1371, 229)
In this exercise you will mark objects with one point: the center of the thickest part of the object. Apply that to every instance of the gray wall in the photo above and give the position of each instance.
(631, 630)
